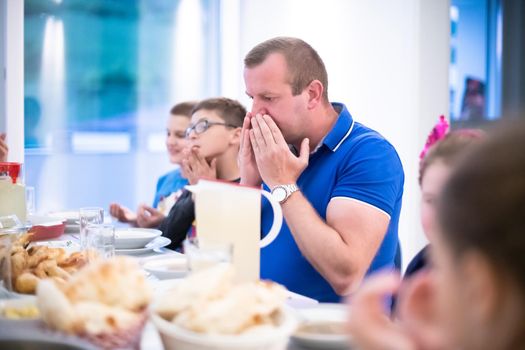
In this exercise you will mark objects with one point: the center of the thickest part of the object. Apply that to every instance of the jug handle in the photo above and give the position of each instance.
(277, 220)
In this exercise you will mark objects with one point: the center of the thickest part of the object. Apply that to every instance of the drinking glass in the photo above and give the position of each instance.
(30, 200)
(87, 216)
(100, 241)
(202, 253)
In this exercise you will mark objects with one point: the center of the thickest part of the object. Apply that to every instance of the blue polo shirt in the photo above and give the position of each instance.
(353, 162)
(167, 184)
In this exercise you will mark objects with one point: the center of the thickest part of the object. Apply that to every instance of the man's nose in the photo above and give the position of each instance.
(258, 108)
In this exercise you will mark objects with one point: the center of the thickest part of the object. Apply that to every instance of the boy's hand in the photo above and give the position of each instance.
(148, 217)
(122, 213)
(195, 167)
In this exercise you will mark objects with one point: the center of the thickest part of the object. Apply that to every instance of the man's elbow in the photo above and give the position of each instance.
(346, 283)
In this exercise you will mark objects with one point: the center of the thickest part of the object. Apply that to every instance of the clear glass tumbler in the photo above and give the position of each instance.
(100, 241)
(88, 216)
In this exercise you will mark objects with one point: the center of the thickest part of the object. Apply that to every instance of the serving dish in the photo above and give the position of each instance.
(134, 238)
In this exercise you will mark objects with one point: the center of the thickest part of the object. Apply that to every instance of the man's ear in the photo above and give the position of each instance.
(315, 93)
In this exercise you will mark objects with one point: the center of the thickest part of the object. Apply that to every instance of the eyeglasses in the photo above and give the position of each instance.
(203, 125)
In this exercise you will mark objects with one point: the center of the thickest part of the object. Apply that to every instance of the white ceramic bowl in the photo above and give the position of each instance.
(134, 238)
(177, 338)
(321, 327)
(172, 267)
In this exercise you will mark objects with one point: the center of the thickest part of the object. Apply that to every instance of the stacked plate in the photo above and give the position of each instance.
(136, 241)
(71, 219)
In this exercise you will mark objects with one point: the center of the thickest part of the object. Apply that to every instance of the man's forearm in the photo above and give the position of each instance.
(321, 245)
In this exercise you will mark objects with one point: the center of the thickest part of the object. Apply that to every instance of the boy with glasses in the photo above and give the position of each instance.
(214, 138)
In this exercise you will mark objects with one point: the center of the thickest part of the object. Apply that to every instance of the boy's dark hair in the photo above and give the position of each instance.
(183, 108)
(231, 111)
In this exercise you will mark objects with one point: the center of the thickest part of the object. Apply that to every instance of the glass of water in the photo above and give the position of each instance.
(100, 239)
(89, 216)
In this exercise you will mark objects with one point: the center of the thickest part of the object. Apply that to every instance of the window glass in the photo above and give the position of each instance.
(475, 61)
(100, 79)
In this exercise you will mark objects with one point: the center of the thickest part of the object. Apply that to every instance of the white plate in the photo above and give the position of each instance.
(166, 268)
(134, 238)
(70, 216)
(158, 242)
(314, 317)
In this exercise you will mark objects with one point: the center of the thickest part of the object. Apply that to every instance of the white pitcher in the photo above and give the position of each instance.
(231, 213)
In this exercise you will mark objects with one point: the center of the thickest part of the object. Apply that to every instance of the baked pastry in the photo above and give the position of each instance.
(106, 302)
(209, 302)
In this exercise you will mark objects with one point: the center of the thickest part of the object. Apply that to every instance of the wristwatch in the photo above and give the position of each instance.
(282, 192)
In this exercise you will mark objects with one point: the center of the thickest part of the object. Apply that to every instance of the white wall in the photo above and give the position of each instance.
(387, 60)
(13, 91)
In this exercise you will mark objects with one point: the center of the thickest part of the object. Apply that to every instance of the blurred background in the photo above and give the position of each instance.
(89, 83)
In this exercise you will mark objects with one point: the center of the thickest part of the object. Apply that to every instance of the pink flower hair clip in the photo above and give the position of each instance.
(438, 132)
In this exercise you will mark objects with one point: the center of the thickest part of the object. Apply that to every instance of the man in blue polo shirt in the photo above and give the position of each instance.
(340, 190)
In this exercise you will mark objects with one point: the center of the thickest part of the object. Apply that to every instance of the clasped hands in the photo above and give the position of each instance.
(265, 156)
(193, 167)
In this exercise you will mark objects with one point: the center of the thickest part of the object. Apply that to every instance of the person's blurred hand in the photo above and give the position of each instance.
(4, 150)
(418, 312)
(122, 213)
(369, 323)
(415, 324)
(148, 217)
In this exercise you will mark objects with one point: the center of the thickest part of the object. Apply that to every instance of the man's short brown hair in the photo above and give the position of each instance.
(304, 63)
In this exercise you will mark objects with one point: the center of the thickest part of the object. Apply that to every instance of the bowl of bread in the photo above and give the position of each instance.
(208, 311)
(106, 302)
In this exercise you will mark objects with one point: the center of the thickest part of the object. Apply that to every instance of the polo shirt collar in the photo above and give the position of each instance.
(341, 130)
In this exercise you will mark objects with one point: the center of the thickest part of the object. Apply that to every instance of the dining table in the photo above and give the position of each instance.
(150, 337)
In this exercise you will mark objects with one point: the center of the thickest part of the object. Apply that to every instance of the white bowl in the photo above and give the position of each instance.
(134, 238)
(177, 338)
(166, 268)
(322, 327)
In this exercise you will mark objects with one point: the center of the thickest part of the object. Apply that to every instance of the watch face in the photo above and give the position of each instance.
(279, 193)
